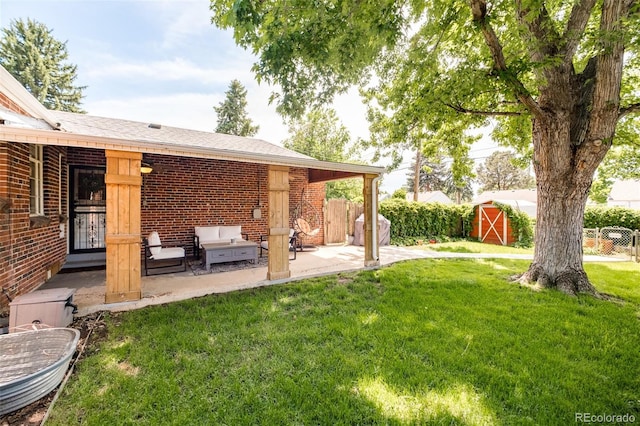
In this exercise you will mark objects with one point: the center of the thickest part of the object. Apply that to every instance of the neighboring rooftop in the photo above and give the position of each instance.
(529, 195)
(625, 193)
(431, 197)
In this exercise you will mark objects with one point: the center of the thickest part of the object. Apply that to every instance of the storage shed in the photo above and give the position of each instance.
(491, 224)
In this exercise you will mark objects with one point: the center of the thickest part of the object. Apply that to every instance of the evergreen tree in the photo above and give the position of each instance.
(232, 112)
(37, 60)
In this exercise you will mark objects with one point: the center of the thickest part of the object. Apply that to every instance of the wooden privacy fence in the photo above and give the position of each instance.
(340, 219)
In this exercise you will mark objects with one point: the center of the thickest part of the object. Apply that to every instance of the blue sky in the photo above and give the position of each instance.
(163, 61)
(160, 61)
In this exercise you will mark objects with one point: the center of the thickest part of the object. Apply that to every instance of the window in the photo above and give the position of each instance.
(35, 181)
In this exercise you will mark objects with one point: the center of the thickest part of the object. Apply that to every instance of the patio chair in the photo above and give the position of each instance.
(158, 256)
(293, 243)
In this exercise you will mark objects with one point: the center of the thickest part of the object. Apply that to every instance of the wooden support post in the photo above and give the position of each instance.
(371, 250)
(278, 187)
(124, 182)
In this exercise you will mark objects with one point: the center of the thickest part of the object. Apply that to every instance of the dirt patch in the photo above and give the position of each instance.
(93, 329)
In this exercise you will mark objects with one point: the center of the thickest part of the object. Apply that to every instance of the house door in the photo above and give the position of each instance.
(88, 209)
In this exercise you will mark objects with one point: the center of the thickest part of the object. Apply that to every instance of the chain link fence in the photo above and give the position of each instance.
(612, 241)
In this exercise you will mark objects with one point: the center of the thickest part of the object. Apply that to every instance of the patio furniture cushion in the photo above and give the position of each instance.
(169, 253)
(154, 240)
(154, 252)
(207, 233)
(229, 232)
(216, 234)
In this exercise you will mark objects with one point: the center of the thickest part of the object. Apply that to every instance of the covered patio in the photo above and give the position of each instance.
(91, 286)
(199, 178)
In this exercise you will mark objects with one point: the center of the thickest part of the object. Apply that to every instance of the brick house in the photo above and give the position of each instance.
(71, 190)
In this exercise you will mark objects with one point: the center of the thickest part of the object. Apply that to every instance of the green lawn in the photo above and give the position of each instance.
(420, 342)
(465, 246)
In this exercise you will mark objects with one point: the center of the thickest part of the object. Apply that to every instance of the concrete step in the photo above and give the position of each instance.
(85, 260)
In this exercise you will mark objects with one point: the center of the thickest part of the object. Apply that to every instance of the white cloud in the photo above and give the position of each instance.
(177, 69)
(184, 20)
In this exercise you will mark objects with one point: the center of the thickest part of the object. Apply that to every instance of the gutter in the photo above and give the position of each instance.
(374, 220)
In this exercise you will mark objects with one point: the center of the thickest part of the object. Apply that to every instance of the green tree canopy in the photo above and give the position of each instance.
(499, 172)
(37, 60)
(321, 135)
(232, 113)
(558, 77)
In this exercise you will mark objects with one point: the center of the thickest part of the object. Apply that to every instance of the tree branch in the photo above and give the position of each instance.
(463, 110)
(609, 63)
(575, 27)
(542, 30)
(479, 13)
(630, 109)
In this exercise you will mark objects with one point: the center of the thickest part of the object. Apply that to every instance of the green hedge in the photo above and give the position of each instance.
(601, 216)
(411, 221)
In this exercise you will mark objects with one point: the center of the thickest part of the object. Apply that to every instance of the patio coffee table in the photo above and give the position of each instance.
(227, 252)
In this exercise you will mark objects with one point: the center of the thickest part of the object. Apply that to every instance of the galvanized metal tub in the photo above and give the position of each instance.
(32, 364)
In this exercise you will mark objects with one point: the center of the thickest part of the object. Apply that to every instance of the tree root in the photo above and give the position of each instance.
(570, 281)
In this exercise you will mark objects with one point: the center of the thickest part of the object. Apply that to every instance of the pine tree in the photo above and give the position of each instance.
(232, 114)
(37, 60)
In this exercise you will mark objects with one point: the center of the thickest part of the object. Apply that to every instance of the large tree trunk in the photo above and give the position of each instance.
(563, 189)
(575, 118)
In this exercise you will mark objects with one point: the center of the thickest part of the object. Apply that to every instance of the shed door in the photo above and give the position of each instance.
(492, 225)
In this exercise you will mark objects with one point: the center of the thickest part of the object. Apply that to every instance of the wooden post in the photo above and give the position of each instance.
(124, 182)
(370, 192)
(278, 187)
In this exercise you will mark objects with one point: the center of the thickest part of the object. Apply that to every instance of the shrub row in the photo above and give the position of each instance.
(601, 216)
(410, 220)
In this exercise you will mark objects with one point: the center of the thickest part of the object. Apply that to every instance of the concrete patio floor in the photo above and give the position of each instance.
(158, 289)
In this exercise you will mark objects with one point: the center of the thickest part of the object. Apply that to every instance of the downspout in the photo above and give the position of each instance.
(374, 218)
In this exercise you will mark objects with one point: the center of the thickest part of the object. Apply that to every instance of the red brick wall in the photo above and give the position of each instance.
(86, 157)
(178, 195)
(182, 193)
(29, 253)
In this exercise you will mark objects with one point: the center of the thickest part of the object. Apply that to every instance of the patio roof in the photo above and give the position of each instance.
(87, 131)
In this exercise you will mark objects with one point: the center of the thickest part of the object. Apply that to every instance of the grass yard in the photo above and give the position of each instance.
(465, 246)
(420, 342)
